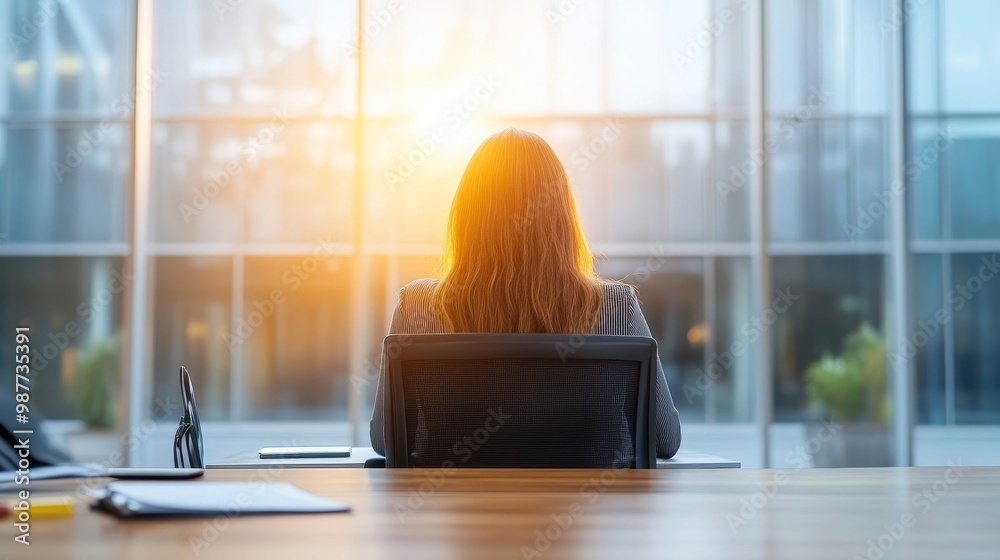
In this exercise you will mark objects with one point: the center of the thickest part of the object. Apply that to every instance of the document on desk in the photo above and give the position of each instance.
(207, 499)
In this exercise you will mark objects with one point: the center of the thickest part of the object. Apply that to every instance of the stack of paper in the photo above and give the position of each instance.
(133, 499)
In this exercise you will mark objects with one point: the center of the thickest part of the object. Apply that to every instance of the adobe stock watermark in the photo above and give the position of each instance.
(958, 297)
(33, 24)
(219, 180)
(454, 117)
(225, 7)
(913, 170)
(589, 152)
(696, 45)
(85, 313)
(563, 11)
(922, 502)
(564, 520)
(121, 108)
(900, 15)
(752, 330)
(291, 280)
(788, 125)
(800, 457)
(378, 20)
(463, 449)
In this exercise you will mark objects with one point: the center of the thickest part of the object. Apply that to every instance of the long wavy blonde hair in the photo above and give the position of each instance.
(516, 260)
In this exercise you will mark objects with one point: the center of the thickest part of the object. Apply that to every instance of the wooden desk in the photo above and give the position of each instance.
(251, 460)
(494, 514)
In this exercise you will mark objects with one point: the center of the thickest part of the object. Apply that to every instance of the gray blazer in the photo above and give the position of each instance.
(619, 315)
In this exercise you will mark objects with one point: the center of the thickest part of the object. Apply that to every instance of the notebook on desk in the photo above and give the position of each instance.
(206, 499)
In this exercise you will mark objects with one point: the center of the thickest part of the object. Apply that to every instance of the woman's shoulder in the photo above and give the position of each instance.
(614, 288)
(415, 310)
(420, 285)
(418, 293)
(617, 309)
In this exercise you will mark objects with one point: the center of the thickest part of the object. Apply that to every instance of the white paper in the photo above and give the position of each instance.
(231, 498)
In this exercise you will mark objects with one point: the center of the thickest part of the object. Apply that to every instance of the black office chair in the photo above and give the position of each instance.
(520, 400)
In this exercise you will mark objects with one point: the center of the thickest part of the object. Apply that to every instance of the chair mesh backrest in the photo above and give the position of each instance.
(531, 412)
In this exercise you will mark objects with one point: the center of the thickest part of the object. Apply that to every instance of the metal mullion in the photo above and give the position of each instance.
(33, 121)
(949, 343)
(237, 373)
(139, 339)
(360, 279)
(243, 119)
(17, 249)
(901, 368)
(709, 319)
(759, 261)
(957, 246)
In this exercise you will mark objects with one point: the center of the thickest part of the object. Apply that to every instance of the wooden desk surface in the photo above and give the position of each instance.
(912, 513)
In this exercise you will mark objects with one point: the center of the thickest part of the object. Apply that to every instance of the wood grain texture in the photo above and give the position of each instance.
(487, 514)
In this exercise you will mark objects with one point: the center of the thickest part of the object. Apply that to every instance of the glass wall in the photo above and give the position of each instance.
(258, 258)
(954, 146)
(67, 99)
(252, 169)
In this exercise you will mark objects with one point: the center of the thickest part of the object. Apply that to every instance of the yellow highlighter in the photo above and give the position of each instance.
(39, 508)
(60, 506)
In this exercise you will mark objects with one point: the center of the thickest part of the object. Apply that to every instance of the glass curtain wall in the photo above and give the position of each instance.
(253, 276)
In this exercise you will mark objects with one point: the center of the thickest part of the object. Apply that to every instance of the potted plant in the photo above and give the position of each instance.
(850, 391)
(93, 396)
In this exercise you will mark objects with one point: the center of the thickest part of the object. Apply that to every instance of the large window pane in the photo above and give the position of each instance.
(67, 57)
(193, 327)
(69, 183)
(73, 307)
(973, 157)
(255, 56)
(836, 295)
(293, 335)
(932, 320)
(198, 178)
(924, 178)
(730, 185)
(970, 55)
(734, 344)
(975, 300)
(270, 182)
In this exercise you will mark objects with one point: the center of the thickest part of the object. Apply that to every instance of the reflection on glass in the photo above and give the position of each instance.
(198, 177)
(255, 56)
(836, 296)
(272, 182)
(828, 182)
(68, 185)
(73, 305)
(973, 178)
(838, 48)
(930, 326)
(293, 335)
(975, 302)
(924, 179)
(680, 32)
(67, 57)
(970, 58)
(192, 327)
(730, 185)
(734, 344)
